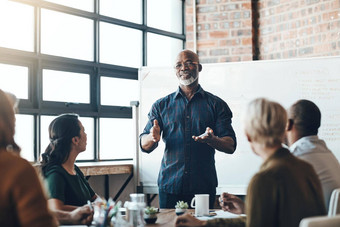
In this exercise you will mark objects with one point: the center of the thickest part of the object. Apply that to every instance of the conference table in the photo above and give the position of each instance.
(167, 217)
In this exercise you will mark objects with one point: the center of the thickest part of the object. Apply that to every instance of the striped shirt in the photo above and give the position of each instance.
(188, 166)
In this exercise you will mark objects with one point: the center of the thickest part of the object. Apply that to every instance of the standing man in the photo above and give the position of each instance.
(193, 123)
(302, 130)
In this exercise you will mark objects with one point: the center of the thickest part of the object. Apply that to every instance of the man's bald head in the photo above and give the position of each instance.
(189, 54)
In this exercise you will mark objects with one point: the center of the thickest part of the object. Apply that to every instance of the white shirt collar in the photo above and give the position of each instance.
(302, 141)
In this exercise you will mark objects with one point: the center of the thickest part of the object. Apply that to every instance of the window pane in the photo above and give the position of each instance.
(24, 135)
(17, 26)
(162, 50)
(118, 92)
(120, 45)
(66, 35)
(88, 154)
(14, 79)
(169, 19)
(129, 10)
(66, 86)
(116, 138)
(86, 5)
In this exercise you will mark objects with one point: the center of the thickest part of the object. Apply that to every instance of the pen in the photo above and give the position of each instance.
(90, 204)
(204, 134)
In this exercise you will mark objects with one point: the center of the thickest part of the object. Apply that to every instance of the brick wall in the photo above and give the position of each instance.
(287, 29)
(304, 28)
(223, 30)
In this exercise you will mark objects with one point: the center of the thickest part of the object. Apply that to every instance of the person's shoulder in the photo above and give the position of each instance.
(12, 164)
(273, 176)
(78, 170)
(214, 97)
(275, 165)
(14, 160)
(211, 95)
(261, 179)
(287, 165)
(54, 170)
(295, 162)
(165, 99)
(263, 175)
(6, 156)
(303, 164)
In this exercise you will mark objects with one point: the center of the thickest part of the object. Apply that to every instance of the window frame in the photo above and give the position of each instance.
(37, 62)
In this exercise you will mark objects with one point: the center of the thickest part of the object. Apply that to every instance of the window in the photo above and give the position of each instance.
(86, 5)
(158, 45)
(129, 10)
(66, 87)
(165, 15)
(66, 35)
(114, 92)
(111, 129)
(83, 56)
(14, 79)
(19, 29)
(24, 135)
(116, 42)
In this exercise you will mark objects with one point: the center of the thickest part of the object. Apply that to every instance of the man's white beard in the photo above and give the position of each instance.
(188, 81)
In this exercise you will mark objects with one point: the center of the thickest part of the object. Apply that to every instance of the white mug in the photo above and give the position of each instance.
(201, 204)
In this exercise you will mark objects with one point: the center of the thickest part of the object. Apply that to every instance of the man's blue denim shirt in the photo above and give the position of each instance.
(188, 166)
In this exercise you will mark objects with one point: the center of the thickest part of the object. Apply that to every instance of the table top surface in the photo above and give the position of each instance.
(100, 168)
(105, 168)
(166, 217)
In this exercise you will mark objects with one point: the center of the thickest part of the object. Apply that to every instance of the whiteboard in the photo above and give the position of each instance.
(285, 81)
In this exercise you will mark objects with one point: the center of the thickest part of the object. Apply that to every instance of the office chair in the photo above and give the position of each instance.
(334, 203)
(321, 221)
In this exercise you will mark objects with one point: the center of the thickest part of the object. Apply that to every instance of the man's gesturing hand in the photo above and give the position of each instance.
(155, 131)
(205, 137)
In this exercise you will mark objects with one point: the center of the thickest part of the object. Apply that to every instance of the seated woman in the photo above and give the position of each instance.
(284, 191)
(67, 186)
(22, 199)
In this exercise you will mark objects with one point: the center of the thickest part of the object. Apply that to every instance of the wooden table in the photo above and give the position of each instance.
(165, 217)
(105, 168)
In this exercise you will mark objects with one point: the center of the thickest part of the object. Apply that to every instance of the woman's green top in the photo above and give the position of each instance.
(71, 189)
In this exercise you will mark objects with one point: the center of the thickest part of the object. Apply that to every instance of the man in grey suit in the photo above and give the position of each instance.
(304, 119)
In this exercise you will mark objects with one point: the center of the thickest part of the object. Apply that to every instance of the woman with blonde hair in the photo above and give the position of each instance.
(284, 191)
(21, 195)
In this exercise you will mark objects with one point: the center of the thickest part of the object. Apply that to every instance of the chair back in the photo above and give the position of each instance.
(334, 203)
(321, 221)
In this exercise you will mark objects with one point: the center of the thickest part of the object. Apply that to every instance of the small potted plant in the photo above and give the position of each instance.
(150, 215)
(181, 207)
